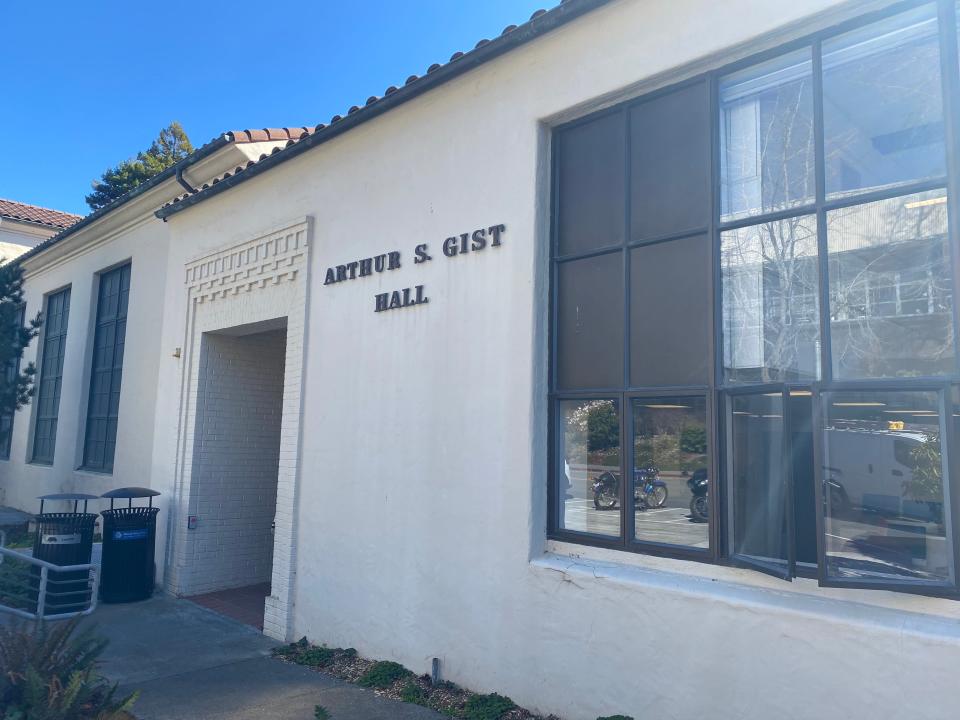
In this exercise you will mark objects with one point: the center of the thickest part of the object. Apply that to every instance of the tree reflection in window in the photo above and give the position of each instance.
(770, 306)
(891, 295)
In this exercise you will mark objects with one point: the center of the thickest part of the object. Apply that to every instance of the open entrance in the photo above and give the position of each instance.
(235, 464)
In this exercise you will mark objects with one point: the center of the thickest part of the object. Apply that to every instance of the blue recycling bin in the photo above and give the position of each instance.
(129, 540)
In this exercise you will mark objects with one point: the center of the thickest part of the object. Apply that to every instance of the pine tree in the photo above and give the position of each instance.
(171, 146)
(16, 386)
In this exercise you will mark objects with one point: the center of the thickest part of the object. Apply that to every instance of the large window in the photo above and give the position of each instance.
(106, 370)
(632, 327)
(754, 347)
(50, 383)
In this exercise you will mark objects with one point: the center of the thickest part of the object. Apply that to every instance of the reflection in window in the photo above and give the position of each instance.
(882, 108)
(588, 470)
(670, 466)
(770, 307)
(884, 515)
(766, 132)
(757, 482)
(890, 289)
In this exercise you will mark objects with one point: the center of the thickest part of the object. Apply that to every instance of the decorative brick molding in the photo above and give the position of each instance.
(274, 258)
(263, 281)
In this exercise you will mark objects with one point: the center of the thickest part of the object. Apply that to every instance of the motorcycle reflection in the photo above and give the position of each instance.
(649, 491)
(699, 509)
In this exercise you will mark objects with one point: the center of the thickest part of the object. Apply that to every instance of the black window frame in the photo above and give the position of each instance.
(102, 325)
(716, 391)
(43, 374)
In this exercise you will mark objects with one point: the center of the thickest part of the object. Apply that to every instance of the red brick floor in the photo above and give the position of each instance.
(244, 604)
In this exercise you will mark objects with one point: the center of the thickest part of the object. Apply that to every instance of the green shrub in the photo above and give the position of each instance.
(321, 713)
(48, 672)
(487, 707)
(413, 693)
(382, 675)
(615, 717)
(316, 657)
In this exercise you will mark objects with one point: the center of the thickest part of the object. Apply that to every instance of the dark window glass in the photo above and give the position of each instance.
(6, 419)
(670, 163)
(588, 471)
(800, 406)
(884, 494)
(770, 302)
(766, 136)
(51, 376)
(758, 483)
(106, 371)
(670, 313)
(670, 471)
(891, 295)
(882, 107)
(590, 323)
(592, 169)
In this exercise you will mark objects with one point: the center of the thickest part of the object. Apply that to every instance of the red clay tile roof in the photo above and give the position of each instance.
(513, 35)
(38, 215)
(267, 134)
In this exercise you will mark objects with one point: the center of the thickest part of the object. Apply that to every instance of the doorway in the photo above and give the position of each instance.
(235, 465)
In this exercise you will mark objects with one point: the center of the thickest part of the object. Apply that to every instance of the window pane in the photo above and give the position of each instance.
(50, 379)
(884, 515)
(766, 136)
(106, 373)
(670, 313)
(882, 107)
(588, 483)
(758, 485)
(592, 169)
(670, 466)
(670, 163)
(891, 295)
(590, 323)
(770, 302)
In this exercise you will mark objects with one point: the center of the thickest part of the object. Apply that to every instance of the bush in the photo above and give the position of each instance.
(382, 675)
(316, 657)
(46, 671)
(487, 707)
(321, 713)
(413, 693)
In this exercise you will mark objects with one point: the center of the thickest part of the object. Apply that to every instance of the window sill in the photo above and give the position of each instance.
(92, 473)
(585, 565)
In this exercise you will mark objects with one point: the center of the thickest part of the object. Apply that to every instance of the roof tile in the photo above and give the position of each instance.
(37, 215)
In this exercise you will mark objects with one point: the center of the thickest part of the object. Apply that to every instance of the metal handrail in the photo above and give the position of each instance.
(45, 581)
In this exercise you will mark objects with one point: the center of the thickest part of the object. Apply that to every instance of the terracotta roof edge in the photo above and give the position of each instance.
(541, 23)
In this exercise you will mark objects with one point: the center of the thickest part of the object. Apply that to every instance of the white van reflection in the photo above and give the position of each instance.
(873, 470)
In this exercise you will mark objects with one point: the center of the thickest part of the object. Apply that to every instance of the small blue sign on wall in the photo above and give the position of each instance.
(140, 534)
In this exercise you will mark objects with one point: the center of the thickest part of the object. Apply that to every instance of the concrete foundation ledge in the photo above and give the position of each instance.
(745, 590)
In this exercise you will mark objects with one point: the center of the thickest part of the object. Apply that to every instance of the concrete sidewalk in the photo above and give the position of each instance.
(189, 662)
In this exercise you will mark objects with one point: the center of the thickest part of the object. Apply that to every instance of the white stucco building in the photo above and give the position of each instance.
(645, 240)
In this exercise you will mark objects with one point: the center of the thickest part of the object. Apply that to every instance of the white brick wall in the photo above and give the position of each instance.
(235, 460)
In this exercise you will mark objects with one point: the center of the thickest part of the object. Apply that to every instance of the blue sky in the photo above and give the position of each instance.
(87, 84)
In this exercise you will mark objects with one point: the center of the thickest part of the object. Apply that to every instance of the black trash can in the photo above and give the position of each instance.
(129, 539)
(64, 538)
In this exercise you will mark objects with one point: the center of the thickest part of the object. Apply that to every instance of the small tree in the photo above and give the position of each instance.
(171, 146)
(16, 388)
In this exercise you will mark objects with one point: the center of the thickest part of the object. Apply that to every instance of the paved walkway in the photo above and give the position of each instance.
(189, 662)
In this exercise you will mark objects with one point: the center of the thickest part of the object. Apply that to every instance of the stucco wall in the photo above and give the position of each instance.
(145, 246)
(423, 467)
